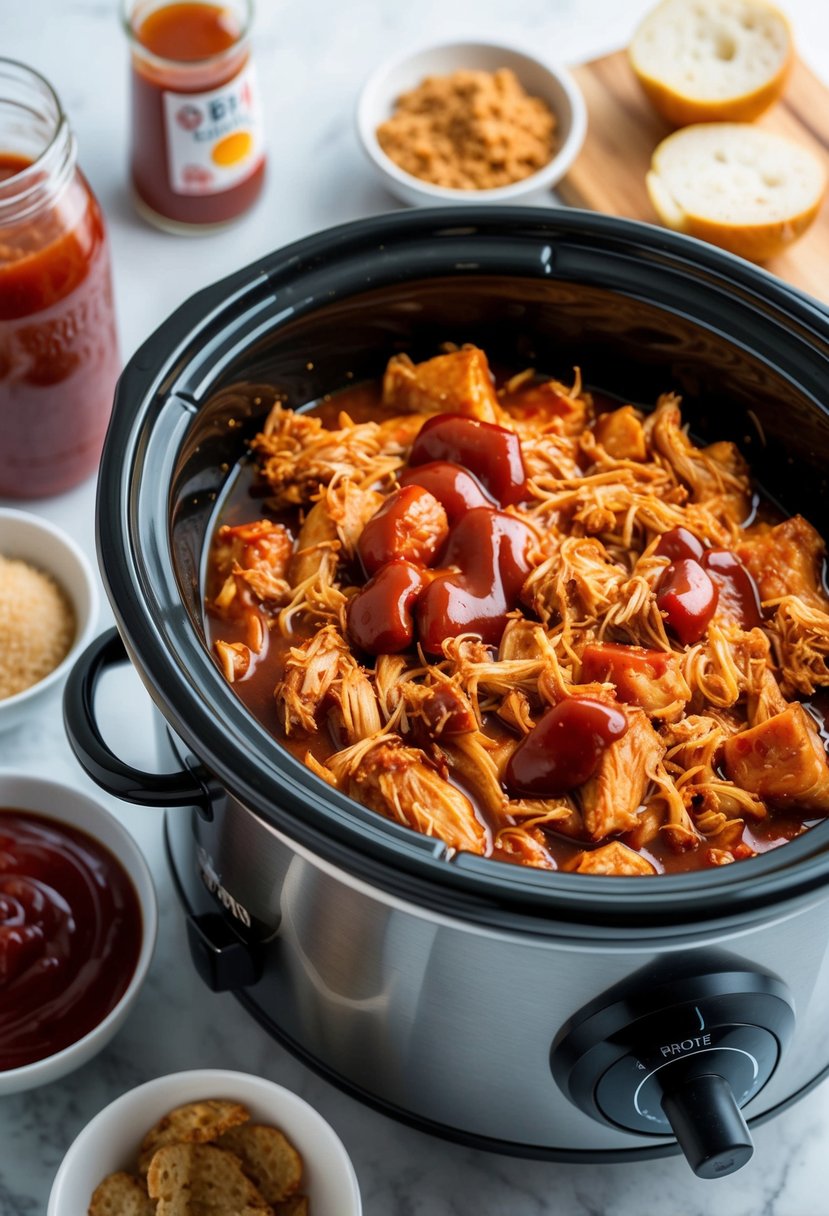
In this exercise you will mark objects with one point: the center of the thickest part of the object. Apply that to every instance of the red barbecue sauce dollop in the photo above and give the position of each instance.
(442, 515)
(564, 748)
(70, 936)
(491, 453)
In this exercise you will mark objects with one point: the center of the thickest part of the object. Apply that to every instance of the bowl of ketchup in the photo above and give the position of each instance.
(78, 923)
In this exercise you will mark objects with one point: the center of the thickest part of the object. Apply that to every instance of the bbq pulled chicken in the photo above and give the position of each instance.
(532, 626)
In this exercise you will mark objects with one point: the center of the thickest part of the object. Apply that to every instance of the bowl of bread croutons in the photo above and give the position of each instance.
(710, 68)
(212, 1141)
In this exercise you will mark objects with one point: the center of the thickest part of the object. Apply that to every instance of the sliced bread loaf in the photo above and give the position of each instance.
(712, 60)
(739, 186)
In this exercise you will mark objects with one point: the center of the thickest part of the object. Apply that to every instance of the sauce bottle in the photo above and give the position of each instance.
(58, 343)
(198, 158)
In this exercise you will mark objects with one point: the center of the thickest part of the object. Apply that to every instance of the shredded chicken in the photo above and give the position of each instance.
(398, 781)
(800, 637)
(716, 475)
(718, 750)
(298, 455)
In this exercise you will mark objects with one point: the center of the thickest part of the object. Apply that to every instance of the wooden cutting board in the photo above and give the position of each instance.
(623, 130)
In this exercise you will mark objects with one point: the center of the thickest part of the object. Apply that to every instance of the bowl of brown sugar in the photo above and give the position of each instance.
(48, 612)
(470, 120)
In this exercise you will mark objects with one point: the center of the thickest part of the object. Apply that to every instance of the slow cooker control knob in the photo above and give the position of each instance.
(708, 1125)
(681, 1058)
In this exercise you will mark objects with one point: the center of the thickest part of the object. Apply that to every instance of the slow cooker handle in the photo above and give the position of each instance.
(95, 757)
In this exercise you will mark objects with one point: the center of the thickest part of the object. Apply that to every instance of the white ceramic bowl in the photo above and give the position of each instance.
(552, 84)
(53, 800)
(111, 1141)
(41, 544)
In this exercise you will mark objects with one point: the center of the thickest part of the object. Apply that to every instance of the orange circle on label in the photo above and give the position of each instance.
(232, 149)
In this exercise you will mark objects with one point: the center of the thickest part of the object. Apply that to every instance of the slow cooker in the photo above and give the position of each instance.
(564, 1016)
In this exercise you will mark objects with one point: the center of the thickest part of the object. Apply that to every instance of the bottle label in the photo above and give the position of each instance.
(214, 140)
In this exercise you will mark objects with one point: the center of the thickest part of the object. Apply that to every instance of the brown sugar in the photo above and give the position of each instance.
(472, 130)
(37, 626)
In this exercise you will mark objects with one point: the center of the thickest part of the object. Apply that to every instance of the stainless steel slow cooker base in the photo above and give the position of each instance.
(502, 1006)
(447, 1025)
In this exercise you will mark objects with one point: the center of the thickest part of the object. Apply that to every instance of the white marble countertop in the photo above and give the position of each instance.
(312, 58)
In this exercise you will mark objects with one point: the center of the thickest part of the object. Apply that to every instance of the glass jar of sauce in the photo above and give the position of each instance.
(198, 154)
(58, 344)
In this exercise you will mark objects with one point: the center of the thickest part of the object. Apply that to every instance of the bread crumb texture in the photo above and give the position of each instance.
(472, 130)
(712, 60)
(741, 187)
(37, 626)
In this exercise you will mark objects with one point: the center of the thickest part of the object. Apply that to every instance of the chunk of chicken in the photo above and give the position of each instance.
(523, 845)
(621, 434)
(782, 760)
(614, 858)
(457, 383)
(472, 757)
(320, 676)
(651, 679)
(310, 670)
(399, 782)
(611, 798)
(786, 559)
(334, 523)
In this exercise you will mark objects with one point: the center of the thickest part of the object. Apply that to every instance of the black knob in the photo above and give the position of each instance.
(708, 1125)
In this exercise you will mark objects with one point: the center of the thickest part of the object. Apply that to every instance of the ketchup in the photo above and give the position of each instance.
(564, 748)
(197, 145)
(59, 357)
(70, 936)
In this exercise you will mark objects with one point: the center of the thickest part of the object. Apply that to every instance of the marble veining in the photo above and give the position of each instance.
(312, 59)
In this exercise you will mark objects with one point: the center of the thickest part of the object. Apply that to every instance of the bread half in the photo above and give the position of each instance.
(712, 60)
(736, 185)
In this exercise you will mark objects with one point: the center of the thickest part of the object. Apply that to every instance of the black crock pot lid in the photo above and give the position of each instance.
(137, 565)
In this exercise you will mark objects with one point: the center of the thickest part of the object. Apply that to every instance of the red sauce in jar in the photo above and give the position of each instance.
(59, 358)
(197, 156)
(70, 936)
